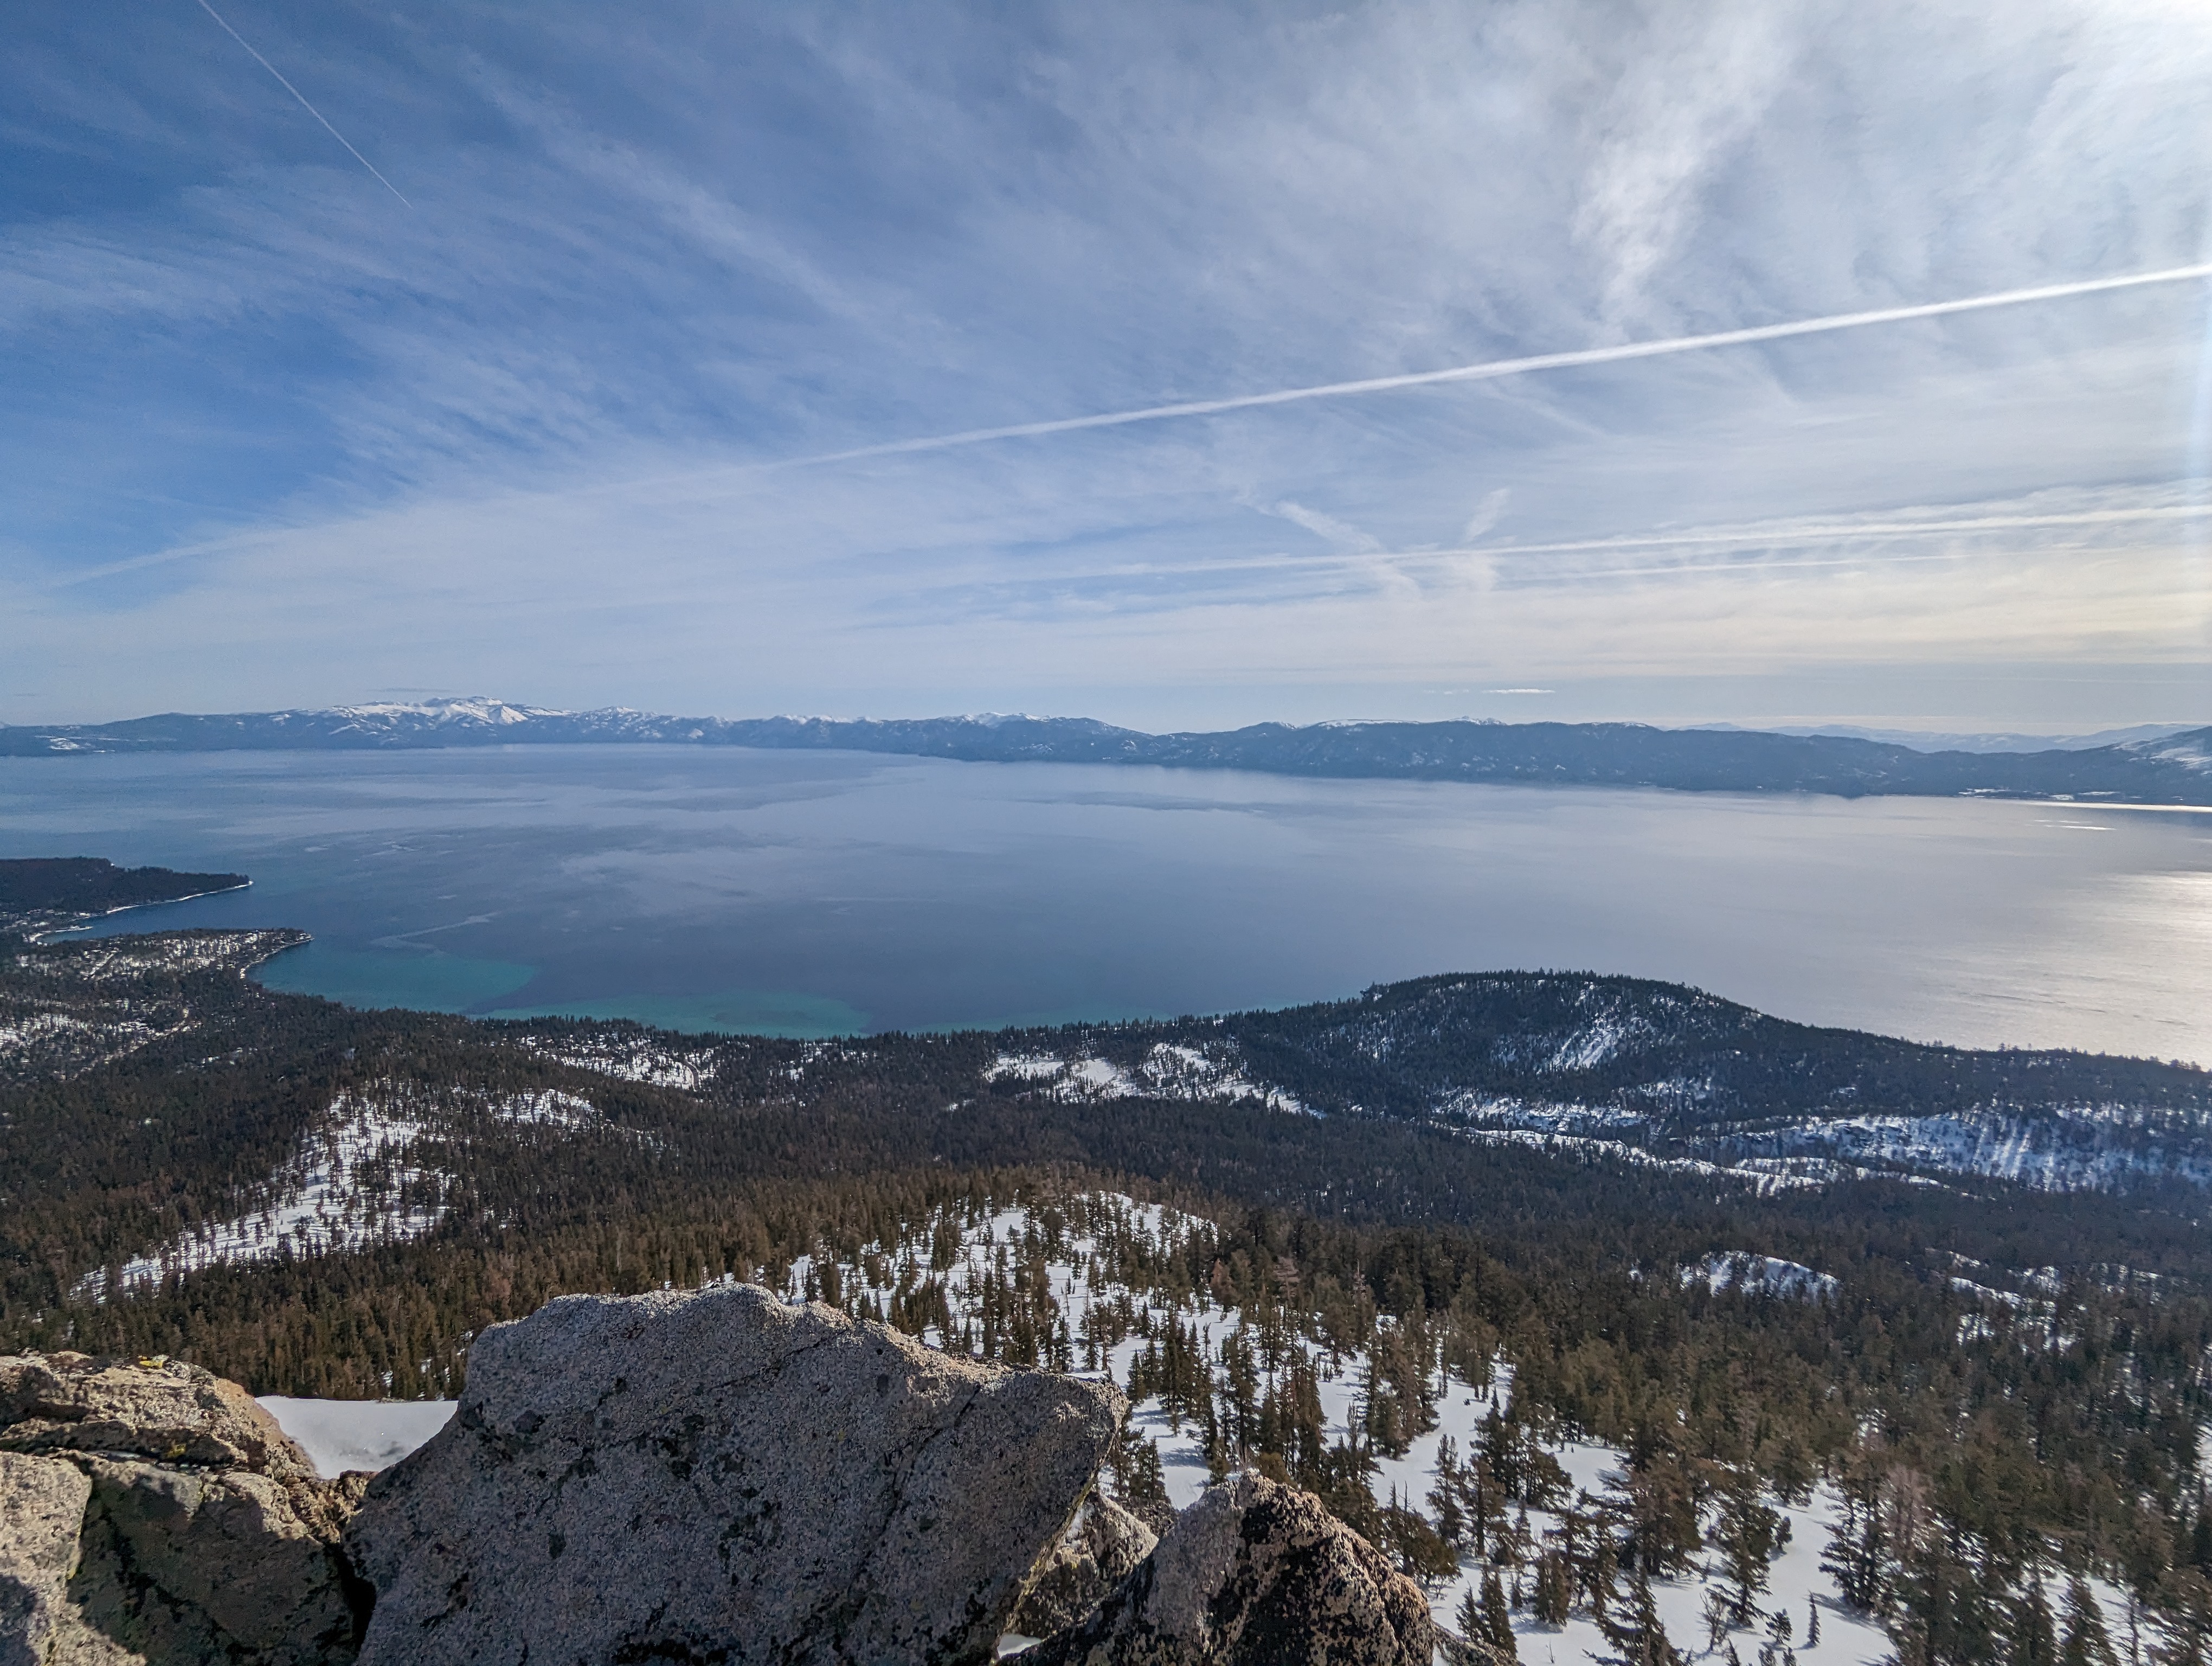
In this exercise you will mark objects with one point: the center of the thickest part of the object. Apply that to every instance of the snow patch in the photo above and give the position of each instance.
(338, 1435)
(1766, 1276)
(350, 1184)
(1166, 1072)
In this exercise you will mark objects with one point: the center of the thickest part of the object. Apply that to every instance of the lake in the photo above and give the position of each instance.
(816, 893)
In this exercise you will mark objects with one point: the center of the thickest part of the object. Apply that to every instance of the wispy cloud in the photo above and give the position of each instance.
(1394, 346)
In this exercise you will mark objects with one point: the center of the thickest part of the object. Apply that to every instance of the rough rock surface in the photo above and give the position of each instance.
(1102, 1549)
(1456, 1651)
(717, 1475)
(42, 1504)
(1253, 1574)
(166, 1411)
(201, 1534)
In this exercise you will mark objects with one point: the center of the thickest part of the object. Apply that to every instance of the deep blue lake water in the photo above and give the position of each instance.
(813, 893)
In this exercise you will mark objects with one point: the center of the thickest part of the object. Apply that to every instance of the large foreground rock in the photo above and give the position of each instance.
(717, 1475)
(42, 1504)
(189, 1530)
(1253, 1574)
(1102, 1548)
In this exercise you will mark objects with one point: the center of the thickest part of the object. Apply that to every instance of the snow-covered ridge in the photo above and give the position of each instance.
(631, 1058)
(2083, 1149)
(350, 1184)
(1167, 1072)
(1764, 1275)
(356, 1178)
(472, 709)
(1097, 1319)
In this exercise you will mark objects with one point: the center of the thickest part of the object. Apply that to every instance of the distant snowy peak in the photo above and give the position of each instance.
(2191, 750)
(474, 710)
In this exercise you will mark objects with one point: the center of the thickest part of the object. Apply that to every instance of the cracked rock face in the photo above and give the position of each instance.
(718, 1475)
(1102, 1549)
(151, 1514)
(1253, 1574)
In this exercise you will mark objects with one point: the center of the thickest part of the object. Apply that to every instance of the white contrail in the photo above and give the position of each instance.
(1500, 367)
(304, 105)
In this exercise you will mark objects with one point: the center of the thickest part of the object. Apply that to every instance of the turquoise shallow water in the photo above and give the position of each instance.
(824, 893)
(427, 981)
(732, 1011)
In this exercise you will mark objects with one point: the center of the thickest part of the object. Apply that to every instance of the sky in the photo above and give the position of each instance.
(531, 360)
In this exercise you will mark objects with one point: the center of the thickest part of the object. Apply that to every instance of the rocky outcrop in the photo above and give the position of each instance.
(1454, 1650)
(1099, 1550)
(1253, 1574)
(717, 1475)
(187, 1529)
(42, 1504)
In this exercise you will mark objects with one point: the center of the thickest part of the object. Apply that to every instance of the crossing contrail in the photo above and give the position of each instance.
(1497, 368)
(304, 105)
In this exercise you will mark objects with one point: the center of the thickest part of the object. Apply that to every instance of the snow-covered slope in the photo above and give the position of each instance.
(1076, 1259)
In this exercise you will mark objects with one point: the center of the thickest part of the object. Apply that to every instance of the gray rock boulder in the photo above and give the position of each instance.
(162, 1410)
(1099, 1550)
(717, 1475)
(201, 1534)
(1253, 1574)
(42, 1504)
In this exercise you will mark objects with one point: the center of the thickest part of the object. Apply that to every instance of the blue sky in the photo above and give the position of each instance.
(273, 436)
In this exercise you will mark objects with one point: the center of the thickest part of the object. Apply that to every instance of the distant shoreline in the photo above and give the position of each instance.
(2167, 771)
(86, 922)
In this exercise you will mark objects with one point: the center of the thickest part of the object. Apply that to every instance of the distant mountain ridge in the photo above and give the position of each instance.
(2174, 768)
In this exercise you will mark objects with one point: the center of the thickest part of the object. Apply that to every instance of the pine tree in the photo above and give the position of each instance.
(1747, 1538)
(1555, 1589)
(1443, 1497)
(1468, 1618)
(1497, 1619)
(2086, 1642)
(1638, 1637)
(2034, 1636)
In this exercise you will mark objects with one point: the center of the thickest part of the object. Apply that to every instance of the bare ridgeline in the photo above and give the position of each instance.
(712, 1475)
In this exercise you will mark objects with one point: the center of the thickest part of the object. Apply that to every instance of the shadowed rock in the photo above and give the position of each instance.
(1253, 1574)
(42, 1504)
(1102, 1549)
(201, 1534)
(720, 1476)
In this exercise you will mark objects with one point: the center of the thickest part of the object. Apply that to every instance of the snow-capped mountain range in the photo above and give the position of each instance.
(2164, 765)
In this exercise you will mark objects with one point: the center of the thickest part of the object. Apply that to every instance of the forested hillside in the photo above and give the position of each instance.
(2011, 1381)
(45, 893)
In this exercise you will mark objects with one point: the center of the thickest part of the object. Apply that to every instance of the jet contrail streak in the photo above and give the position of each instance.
(304, 105)
(1501, 367)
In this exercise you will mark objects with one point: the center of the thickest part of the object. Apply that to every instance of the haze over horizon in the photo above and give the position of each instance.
(530, 393)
